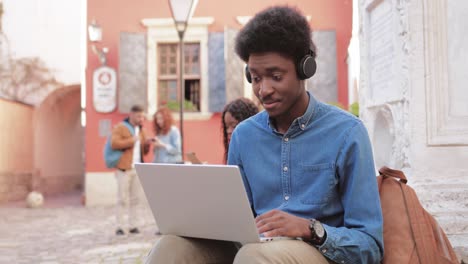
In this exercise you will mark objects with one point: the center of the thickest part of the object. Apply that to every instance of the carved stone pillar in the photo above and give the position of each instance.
(414, 100)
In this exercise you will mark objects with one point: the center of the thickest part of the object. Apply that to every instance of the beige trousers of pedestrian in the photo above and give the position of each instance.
(178, 250)
(128, 198)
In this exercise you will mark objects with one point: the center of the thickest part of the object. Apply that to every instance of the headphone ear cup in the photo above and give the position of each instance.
(247, 74)
(307, 67)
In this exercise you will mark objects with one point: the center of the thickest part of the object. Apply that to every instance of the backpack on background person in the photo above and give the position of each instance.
(112, 156)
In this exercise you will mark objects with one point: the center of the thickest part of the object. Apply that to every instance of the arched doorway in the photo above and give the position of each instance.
(59, 142)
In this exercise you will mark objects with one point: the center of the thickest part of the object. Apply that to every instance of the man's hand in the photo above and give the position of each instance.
(278, 223)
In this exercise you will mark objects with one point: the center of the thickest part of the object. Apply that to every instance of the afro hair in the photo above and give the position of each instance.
(280, 29)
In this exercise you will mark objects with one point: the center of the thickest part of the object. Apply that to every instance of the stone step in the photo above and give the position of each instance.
(459, 240)
(462, 254)
(455, 223)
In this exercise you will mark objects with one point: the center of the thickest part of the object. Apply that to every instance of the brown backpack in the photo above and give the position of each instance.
(411, 234)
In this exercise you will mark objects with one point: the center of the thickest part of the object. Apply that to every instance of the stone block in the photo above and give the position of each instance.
(4, 187)
(23, 178)
(14, 186)
(462, 254)
(18, 193)
(5, 178)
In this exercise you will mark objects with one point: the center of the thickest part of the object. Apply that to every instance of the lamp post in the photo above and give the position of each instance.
(182, 11)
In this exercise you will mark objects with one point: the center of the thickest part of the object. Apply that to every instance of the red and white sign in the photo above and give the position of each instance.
(105, 89)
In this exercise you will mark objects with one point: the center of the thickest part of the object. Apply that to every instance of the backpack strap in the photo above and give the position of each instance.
(419, 225)
(387, 172)
(130, 127)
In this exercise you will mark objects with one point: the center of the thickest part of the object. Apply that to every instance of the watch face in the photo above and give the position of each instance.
(318, 228)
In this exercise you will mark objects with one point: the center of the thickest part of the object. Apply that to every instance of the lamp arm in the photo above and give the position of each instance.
(101, 53)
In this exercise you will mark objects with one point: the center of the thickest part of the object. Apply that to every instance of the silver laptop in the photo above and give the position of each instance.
(202, 201)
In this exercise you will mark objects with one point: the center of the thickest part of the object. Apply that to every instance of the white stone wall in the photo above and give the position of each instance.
(414, 100)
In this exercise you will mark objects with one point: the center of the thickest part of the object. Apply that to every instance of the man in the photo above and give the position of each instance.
(307, 167)
(128, 137)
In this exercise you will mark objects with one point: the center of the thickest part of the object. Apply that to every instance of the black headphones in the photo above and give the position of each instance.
(305, 69)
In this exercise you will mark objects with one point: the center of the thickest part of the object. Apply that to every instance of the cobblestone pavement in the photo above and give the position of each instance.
(65, 232)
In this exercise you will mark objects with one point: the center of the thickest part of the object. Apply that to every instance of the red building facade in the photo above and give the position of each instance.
(213, 73)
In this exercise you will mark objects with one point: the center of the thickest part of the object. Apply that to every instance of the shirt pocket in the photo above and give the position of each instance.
(317, 183)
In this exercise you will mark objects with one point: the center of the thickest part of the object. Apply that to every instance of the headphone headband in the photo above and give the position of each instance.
(305, 69)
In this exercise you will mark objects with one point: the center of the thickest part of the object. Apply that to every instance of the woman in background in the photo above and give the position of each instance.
(235, 112)
(167, 145)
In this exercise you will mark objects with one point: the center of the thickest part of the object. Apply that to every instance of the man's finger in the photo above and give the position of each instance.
(266, 227)
(266, 215)
(275, 232)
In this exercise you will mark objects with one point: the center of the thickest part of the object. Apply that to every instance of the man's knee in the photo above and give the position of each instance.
(289, 251)
(164, 249)
(171, 241)
(178, 250)
(252, 253)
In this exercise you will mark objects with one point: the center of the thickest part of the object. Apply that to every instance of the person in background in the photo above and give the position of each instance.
(128, 136)
(167, 142)
(235, 112)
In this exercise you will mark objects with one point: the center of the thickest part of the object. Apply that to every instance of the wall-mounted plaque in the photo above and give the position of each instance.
(104, 89)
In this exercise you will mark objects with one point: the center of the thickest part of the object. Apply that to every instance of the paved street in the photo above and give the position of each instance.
(66, 232)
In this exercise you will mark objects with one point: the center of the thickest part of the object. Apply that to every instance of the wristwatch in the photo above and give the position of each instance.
(317, 233)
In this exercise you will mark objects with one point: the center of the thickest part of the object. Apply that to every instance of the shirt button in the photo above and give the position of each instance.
(324, 250)
(286, 139)
(302, 126)
(286, 197)
(342, 261)
(285, 168)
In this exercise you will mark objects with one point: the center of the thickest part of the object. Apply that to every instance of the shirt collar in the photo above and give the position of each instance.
(304, 120)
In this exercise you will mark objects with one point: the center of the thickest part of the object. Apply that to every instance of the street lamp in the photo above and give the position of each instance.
(182, 11)
(95, 36)
(94, 31)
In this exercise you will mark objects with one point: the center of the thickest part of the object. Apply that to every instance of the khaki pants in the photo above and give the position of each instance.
(128, 198)
(178, 250)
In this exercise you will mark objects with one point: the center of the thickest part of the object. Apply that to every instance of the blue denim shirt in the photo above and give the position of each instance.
(321, 168)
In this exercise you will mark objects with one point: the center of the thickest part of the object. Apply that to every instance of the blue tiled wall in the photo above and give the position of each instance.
(216, 72)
